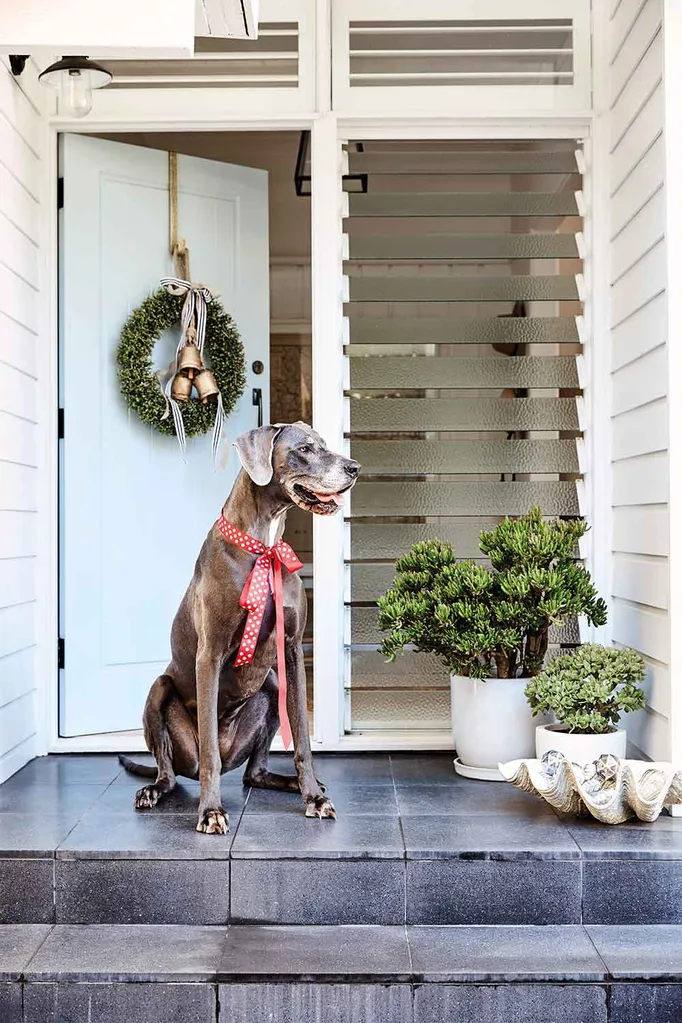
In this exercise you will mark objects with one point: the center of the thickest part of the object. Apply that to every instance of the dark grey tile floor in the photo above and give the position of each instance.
(250, 974)
(402, 805)
(413, 843)
(421, 954)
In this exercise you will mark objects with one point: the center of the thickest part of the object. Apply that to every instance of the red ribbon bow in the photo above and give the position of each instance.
(265, 578)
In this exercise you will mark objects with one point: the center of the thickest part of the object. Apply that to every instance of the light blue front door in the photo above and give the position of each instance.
(133, 515)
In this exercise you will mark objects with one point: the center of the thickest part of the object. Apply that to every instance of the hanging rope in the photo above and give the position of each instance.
(178, 246)
(193, 317)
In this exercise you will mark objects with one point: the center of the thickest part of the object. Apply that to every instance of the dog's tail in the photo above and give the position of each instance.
(141, 769)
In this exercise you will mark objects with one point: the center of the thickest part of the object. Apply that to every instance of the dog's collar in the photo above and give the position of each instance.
(265, 578)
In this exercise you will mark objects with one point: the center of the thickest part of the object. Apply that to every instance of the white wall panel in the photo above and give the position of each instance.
(641, 430)
(638, 88)
(640, 333)
(641, 481)
(641, 579)
(22, 226)
(642, 530)
(639, 359)
(641, 381)
(638, 184)
(629, 148)
(623, 19)
(644, 280)
(644, 628)
(18, 534)
(641, 232)
(642, 34)
(17, 581)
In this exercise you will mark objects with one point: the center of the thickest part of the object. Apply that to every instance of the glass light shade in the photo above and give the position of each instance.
(75, 78)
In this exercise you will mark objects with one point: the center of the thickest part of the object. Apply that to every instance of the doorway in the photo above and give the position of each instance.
(133, 515)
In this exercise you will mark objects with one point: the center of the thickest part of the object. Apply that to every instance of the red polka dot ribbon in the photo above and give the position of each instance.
(265, 578)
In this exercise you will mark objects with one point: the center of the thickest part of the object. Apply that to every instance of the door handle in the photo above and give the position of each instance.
(257, 400)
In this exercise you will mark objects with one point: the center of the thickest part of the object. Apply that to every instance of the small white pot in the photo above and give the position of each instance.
(491, 724)
(579, 748)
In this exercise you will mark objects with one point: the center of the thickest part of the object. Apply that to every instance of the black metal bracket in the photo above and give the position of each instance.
(17, 63)
(301, 179)
(257, 400)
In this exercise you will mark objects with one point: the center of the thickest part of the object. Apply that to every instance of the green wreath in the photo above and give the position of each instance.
(138, 381)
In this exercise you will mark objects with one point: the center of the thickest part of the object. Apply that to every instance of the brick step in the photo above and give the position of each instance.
(413, 844)
(250, 974)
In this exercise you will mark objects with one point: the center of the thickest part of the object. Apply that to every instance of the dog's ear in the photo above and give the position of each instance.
(255, 453)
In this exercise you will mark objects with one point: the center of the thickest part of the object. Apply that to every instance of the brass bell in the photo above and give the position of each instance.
(205, 384)
(181, 389)
(189, 360)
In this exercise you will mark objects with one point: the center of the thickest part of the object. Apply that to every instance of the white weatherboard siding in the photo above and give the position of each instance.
(639, 437)
(22, 151)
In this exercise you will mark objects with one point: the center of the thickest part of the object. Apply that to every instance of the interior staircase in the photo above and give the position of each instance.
(431, 899)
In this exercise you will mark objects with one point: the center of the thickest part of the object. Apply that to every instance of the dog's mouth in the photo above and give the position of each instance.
(318, 502)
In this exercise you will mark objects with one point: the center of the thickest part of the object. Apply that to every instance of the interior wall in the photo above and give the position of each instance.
(22, 347)
(639, 599)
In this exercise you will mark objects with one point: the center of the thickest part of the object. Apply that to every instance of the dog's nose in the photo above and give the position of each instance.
(352, 468)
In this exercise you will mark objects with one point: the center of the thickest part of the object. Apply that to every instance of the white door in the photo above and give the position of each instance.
(133, 515)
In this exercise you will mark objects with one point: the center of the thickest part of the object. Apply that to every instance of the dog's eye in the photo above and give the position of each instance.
(303, 450)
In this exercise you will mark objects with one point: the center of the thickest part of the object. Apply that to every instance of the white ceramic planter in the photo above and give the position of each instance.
(491, 724)
(579, 749)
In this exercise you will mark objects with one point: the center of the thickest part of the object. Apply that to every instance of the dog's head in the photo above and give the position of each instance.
(296, 459)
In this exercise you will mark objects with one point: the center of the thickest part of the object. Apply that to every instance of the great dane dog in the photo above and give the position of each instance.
(205, 716)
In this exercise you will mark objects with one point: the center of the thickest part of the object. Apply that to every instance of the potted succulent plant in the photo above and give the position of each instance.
(490, 626)
(587, 691)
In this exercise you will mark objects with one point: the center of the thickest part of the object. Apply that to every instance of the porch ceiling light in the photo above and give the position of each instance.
(74, 78)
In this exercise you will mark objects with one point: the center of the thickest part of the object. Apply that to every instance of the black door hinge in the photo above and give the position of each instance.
(60, 653)
(60, 193)
(60, 424)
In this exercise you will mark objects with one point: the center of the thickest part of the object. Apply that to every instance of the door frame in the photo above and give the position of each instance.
(328, 131)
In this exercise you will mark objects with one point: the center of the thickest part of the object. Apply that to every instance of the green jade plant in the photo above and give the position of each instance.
(485, 622)
(589, 688)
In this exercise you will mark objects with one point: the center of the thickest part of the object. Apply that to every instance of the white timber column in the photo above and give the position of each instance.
(595, 364)
(672, 88)
(328, 419)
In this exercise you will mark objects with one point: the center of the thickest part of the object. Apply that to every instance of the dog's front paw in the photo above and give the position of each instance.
(213, 822)
(320, 806)
(147, 797)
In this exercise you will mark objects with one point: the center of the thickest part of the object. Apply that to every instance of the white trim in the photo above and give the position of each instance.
(48, 739)
(323, 56)
(47, 562)
(328, 406)
(494, 126)
(183, 124)
(672, 91)
(596, 363)
(329, 368)
(368, 741)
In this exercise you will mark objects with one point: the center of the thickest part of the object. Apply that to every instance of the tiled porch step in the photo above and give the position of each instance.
(413, 844)
(251, 974)
(493, 887)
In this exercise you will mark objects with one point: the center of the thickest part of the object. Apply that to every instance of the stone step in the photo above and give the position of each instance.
(414, 844)
(352, 974)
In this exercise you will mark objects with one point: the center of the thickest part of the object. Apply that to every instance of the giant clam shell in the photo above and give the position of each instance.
(640, 789)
